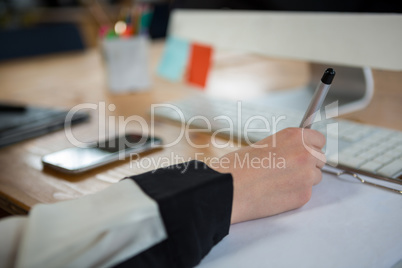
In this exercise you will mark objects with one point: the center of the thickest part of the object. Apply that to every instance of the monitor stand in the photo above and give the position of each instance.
(352, 89)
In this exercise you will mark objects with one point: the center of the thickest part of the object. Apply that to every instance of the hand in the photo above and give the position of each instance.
(276, 178)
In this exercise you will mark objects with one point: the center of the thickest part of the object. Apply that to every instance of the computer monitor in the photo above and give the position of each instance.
(353, 42)
(366, 6)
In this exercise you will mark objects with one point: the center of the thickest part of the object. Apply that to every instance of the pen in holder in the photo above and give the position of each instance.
(125, 50)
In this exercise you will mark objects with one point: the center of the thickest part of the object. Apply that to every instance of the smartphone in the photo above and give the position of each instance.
(77, 159)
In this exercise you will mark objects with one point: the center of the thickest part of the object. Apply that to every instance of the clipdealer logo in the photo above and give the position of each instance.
(331, 132)
(119, 124)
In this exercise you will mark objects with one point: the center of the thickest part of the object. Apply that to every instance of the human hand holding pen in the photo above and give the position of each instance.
(261, 191)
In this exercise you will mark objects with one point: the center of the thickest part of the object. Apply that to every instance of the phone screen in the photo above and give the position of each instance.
(122, 143)
(74, 160)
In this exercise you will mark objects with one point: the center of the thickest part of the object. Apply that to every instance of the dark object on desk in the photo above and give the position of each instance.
(39, 40)
(18, 123)
(160, 20)
(4, 108)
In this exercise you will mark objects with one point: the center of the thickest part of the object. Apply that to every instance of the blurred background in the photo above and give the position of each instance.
(34, 27)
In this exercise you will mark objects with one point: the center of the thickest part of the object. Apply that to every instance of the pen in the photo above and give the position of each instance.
(318, 98)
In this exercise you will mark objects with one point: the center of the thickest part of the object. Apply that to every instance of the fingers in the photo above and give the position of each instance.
(321, 160)
(309, 137)
(313, 138)
(312, 170)
(317, 176)
(315, 141)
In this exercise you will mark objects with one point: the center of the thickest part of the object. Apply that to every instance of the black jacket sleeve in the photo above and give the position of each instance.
(195, 203)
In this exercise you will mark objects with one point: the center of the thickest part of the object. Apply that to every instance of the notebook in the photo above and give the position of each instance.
(18, 123)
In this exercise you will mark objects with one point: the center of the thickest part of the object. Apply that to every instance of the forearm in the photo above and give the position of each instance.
(163, 218)
(195, 203)
(101, 229)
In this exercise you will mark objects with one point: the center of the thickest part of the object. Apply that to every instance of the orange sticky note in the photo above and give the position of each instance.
(199, 64)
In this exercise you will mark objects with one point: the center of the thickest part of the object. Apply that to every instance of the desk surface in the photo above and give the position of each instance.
(70, 79)
(344, 225)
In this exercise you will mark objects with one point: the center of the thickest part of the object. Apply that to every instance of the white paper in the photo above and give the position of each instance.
(345, 224)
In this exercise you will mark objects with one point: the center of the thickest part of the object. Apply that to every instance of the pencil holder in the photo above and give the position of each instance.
(126, 64)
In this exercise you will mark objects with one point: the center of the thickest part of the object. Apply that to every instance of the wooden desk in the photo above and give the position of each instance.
(70, 79)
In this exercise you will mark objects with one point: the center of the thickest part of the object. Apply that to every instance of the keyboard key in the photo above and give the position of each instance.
(394, 142)
(383, 159)
(392, 168)
(365, 155)
(393, 153)
(371, 166)
(374, 151)
(348, 152)
(351, 136)
(397, 138)
(352, 161)
(398, 148)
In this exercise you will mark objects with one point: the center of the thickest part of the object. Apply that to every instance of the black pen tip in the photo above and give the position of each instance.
(328, 76)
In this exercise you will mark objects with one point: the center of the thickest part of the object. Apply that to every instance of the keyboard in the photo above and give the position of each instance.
(362, 148)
